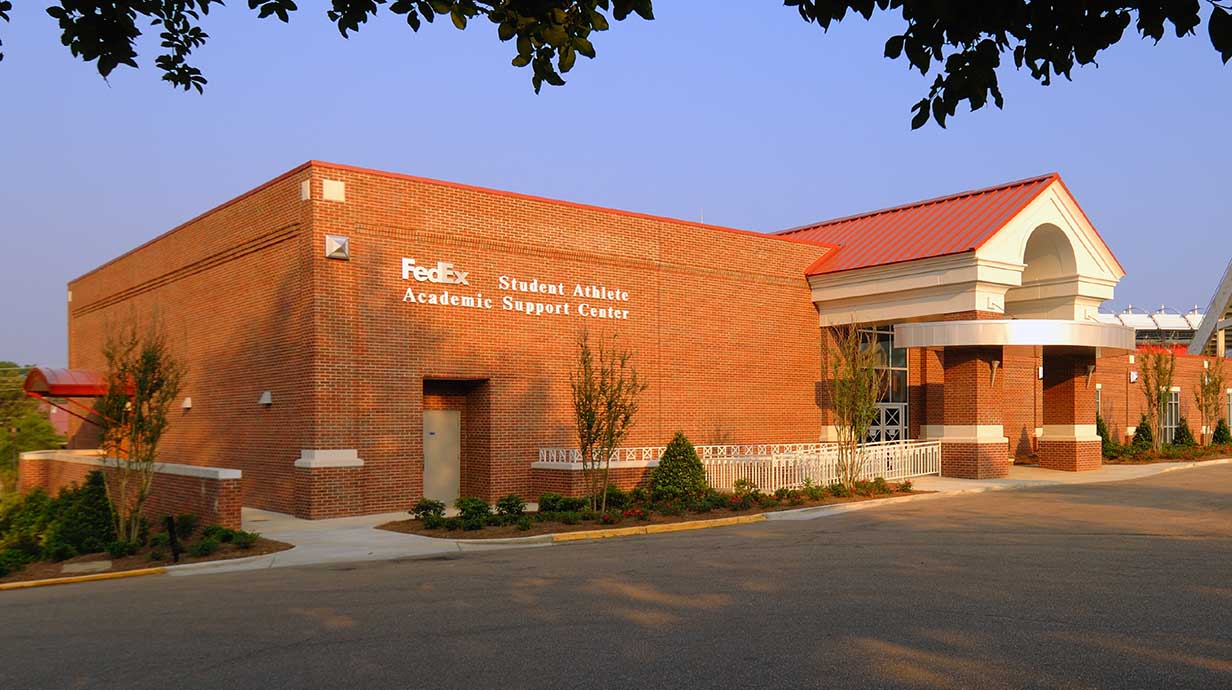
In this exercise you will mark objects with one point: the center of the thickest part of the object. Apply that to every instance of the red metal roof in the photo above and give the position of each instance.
(65, 383)
(947, 225)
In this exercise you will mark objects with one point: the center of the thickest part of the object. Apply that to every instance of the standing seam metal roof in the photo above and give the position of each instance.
(936, 227)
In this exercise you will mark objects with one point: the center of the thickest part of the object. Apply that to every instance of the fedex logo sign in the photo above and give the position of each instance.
(441, 273)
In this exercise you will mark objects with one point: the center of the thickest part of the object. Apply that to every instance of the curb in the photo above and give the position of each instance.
(82, 578)
(691, 525)
(189, 568)
(824, 511)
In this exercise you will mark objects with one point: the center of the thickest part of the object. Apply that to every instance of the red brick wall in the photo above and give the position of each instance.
(233, 290)
(1123, 402)
(214, 502)
(721, 324)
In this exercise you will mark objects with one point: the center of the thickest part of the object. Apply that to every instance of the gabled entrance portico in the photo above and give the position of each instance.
(997, 281)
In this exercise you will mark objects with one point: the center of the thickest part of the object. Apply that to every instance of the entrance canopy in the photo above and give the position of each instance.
(1015, 332)
(65, 383)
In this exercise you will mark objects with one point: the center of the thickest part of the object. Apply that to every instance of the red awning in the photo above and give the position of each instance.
(65, 383)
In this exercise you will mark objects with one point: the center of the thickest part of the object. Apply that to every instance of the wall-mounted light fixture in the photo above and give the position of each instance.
(1040, 373)
(187, 404)
(266, 399)
(995, 364)
(1133, 377)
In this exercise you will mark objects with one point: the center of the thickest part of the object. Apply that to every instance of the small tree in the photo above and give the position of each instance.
(1222, 435)
(1208, 397)
(1144, 438)
(857, 386)
(1158, 367)
(606, 389)
(1183, 438)
(680, 472)
(143, 381)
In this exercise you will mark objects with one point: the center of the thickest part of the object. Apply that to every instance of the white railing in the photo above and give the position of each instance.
(773, 466)
(651, 454)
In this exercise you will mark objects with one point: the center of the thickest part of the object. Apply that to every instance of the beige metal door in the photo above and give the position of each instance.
(442, 443)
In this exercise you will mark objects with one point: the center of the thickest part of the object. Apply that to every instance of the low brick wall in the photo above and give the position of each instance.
(572, 482)
(212, 494)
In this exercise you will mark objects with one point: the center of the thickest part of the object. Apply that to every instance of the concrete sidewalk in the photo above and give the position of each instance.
(339, 540)
(346, 540)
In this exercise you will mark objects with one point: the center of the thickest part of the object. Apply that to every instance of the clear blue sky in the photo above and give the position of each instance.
(739, 109)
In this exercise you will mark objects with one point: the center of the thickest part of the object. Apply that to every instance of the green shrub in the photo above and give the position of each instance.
(185, 526)
(905, 485)
(453, 524)
(511, 507)
(222, 534)
(1144, 438)
(740, 501)
(570, 518)
(813, 491)
(638, 495)
(26, 514)
(524, 522)
(244, 540)
(1222, 436)
(470, 508)
(158, 555)
(120, 549)
(1109, 448)
(837, 490)
(745, 487)
(680, 473)
(58, 551)
(12, 560)
(83, 521)
(616, 499)
(160, 539)
(1183, 437)
(574, 504)
(433, 521)
(550, 502)
(204, 546)
(473, 523)
(426, 508)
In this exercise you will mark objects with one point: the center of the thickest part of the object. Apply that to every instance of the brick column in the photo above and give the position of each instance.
(1070, 441)
(973, 442)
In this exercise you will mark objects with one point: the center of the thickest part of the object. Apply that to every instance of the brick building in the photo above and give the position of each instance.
(357, 339)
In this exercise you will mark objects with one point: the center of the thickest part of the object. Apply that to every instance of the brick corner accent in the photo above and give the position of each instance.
(328, 492)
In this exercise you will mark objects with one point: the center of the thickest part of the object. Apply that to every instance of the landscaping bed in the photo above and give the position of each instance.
(75, 533)
(47, 570)
(559, 514)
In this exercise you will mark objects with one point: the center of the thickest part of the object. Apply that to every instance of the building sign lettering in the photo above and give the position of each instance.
(518, 294)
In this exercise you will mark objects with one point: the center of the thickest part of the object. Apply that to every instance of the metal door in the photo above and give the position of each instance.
(442, 444)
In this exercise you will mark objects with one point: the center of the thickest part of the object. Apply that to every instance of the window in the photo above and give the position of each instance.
(1099, 401)
(1172, 416)
(891, 421)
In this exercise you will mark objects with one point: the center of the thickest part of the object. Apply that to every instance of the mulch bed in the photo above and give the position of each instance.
(46, 570)
(507, 531)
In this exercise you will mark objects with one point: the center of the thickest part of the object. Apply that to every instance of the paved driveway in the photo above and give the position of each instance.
(1124, 585)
